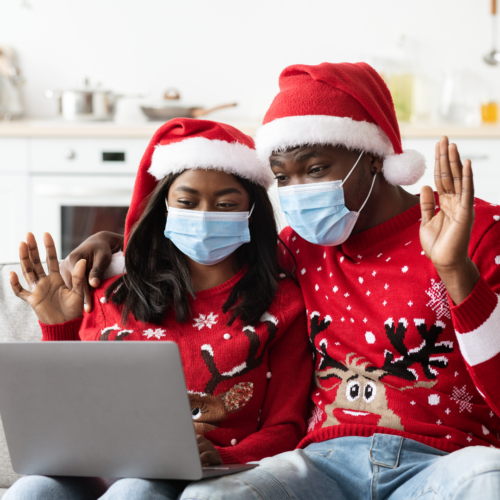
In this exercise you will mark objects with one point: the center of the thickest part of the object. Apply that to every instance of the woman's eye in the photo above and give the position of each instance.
(281, 178)
(226, 205)
(185, 202)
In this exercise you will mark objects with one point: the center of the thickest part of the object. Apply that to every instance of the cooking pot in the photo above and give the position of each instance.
(87, 103)
(171, 107)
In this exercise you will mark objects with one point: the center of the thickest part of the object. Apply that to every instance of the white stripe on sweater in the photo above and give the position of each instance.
(483, 343)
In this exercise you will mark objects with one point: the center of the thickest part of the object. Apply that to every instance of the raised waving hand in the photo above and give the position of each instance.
(52, 301)
(445, 235)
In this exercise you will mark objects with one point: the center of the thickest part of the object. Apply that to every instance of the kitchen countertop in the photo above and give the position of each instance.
(61, 129)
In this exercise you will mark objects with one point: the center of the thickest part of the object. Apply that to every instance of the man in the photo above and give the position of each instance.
(401, 292)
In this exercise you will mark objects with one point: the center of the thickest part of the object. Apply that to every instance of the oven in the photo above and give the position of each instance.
(80, 187)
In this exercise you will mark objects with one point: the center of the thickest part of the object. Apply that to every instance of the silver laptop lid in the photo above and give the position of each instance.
(117, 409)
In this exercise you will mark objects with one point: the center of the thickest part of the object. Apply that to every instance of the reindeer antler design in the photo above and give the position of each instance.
(401, 367)
(252, 361)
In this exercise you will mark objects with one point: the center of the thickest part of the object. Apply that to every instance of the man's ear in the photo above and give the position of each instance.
(376, 163)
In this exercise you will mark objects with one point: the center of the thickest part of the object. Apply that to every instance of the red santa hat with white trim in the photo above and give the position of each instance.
(339, 104)
(185, 143)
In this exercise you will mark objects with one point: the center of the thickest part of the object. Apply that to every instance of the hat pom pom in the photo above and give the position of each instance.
(404, 169)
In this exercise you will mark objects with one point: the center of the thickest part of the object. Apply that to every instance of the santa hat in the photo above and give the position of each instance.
(338, 104)
(183, 144)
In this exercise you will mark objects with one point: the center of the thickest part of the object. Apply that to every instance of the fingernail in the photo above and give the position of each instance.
(94, 282)
(87, 308)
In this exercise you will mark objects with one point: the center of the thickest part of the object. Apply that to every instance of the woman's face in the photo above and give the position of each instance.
(208, 191)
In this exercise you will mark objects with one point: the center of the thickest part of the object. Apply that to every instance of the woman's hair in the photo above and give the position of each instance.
(157, 275)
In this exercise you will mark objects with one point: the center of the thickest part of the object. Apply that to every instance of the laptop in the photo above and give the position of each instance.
(105, 409)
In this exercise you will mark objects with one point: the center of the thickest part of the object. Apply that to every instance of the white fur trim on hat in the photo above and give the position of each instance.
(282, 133)
(404, 169)
(293, 131)
(201, 153)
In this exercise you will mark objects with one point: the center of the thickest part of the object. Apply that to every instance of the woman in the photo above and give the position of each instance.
(201, 270)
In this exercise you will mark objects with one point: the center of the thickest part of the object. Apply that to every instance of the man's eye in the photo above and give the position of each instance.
(315, 170)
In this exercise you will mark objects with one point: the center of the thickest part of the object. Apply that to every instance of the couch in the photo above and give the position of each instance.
(18, 322)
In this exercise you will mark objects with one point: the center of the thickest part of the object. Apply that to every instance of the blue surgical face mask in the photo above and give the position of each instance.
(317, 211)
(207, 237)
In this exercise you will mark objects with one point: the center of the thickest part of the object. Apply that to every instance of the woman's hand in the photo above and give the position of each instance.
(97, 251)
(208, 454)
(52, 301)
(445, 236)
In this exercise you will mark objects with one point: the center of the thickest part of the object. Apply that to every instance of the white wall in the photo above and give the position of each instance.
(223, 50)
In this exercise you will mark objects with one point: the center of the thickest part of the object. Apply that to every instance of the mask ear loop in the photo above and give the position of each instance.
(362, 152)
(251, 210)
(369, 193)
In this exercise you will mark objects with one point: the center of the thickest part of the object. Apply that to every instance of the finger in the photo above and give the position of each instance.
(100, 262)
(78, 277)
(17, 287)
(456, 168)
(52, 262)
(427, 204)
(437, 170)
(444, 165)
(467, 200)
(34, 255)
(65, 268)
(210, 458)
(87, 297)
(27, 265)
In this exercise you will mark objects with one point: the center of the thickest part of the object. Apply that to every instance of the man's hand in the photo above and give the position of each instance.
(445, 236)
(97, 251)
(52, 301)
(208, 454)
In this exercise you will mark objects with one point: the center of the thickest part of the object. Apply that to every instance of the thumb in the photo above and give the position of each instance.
(78, 277)
(427, 204)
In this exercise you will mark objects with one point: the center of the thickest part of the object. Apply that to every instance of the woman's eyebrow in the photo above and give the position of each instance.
(187, 189)
(233, 190)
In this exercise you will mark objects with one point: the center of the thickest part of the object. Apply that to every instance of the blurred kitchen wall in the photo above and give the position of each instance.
(223, 50)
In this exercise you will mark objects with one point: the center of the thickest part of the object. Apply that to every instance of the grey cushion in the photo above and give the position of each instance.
(18, 322)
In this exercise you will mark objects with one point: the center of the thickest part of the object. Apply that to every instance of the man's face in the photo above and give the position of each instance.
(312, 164)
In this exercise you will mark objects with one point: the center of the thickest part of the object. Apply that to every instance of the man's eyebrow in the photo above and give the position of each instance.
(187, 189)
(306, 156)
(277, 163)
(233, 190)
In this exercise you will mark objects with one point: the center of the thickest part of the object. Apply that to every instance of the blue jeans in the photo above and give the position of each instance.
(350, 468)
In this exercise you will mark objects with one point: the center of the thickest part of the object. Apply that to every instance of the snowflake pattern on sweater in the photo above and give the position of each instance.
(384, 337)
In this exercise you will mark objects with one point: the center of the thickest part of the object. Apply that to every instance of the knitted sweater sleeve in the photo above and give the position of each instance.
(477, 320)
(284, 411)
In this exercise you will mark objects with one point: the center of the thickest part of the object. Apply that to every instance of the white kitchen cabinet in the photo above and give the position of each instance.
(13, 155)
(484, 155)
(14, 209)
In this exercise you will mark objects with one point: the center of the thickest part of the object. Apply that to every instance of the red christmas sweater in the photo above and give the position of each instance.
(238, 377)
(392, 353)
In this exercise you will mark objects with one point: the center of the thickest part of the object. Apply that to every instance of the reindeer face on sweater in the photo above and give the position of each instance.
(209, 410)
(361, 395)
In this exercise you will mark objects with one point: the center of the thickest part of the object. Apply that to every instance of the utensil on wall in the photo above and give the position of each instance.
(87, 103)
(493, 57)
(171, 107)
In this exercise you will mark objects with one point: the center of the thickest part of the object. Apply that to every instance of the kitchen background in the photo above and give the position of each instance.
(72, 176)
